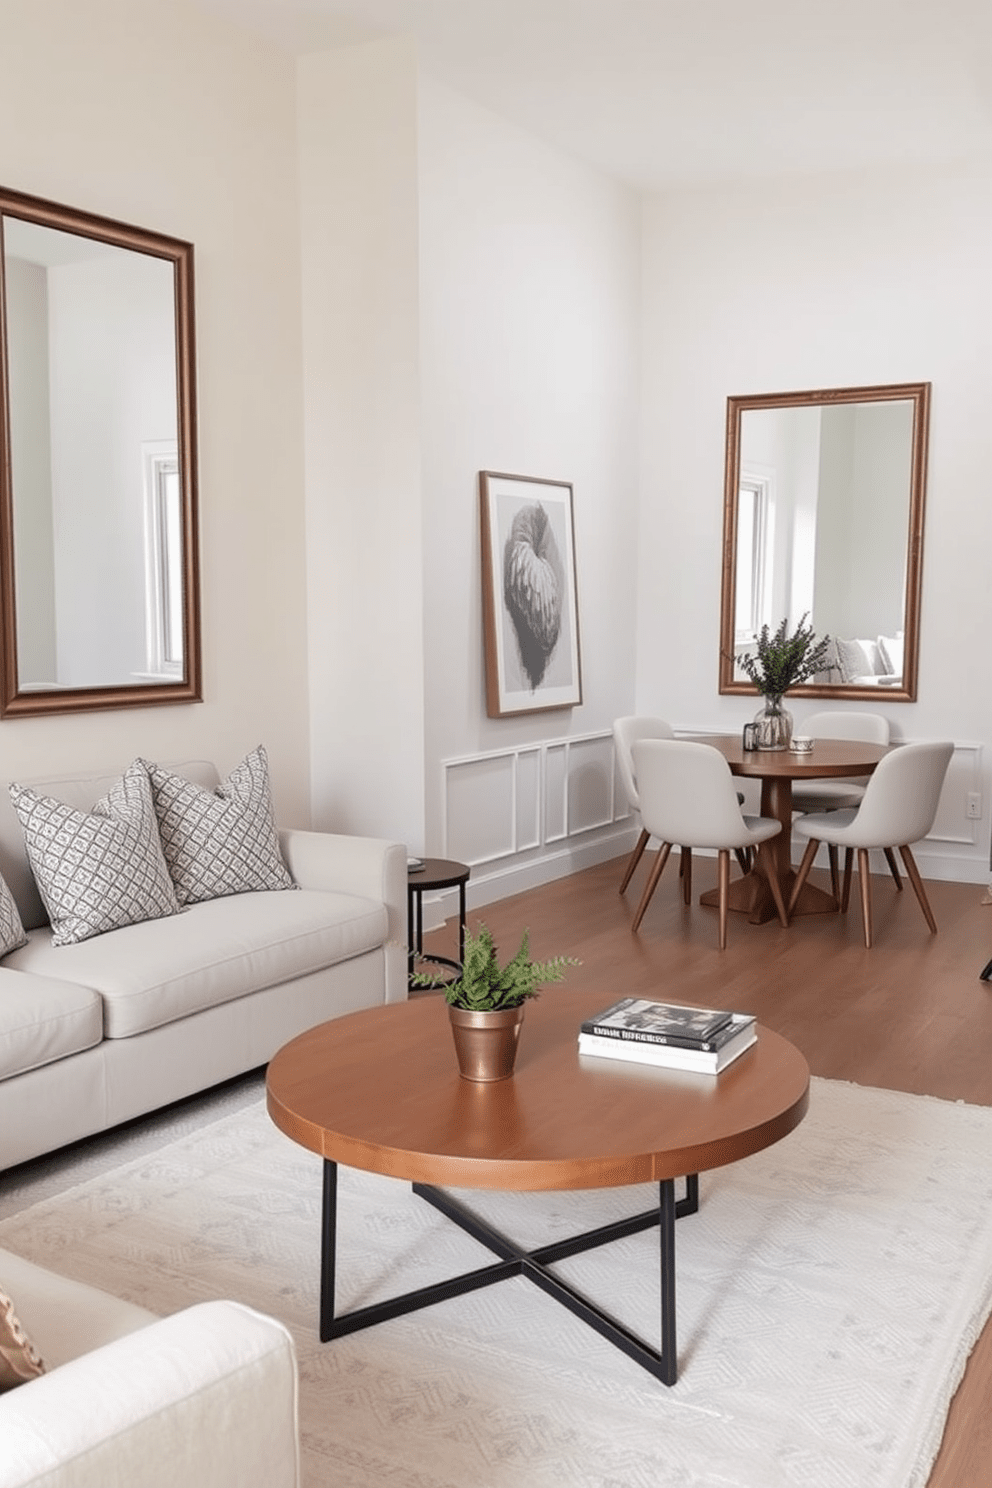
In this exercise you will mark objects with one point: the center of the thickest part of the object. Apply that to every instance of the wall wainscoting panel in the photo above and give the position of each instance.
(532, 812)
(964, 776)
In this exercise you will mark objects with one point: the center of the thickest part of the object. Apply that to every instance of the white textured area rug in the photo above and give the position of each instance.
(829, 1292)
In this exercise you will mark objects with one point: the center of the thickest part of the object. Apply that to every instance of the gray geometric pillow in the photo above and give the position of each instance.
(223, 841)
(97, 870)
(853, 661)
(11, 930)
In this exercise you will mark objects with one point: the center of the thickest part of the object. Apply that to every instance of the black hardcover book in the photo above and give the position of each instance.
(641, 1021)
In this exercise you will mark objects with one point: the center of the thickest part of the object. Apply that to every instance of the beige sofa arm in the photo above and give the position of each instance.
(369, 866)
(208, 1395)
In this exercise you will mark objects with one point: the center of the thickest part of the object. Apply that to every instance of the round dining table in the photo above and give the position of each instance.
(777, 769)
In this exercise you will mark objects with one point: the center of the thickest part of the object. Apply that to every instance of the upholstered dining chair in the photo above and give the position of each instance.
(626, 731)
(897, 809)
(837, 795)
(687, 797)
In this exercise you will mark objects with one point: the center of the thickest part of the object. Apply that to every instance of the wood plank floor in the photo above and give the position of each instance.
(910, 1014)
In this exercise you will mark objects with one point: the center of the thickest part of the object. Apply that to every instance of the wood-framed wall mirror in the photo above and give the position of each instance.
(99, 572)
(823, 514)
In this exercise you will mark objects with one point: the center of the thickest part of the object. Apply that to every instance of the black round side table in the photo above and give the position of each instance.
(437, 873)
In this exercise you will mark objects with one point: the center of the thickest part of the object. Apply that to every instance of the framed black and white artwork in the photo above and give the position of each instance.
(529, 596)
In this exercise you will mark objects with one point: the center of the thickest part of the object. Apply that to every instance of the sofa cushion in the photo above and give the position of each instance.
(19, 1359)
(11, 930)
(43, 1019)
(891, 651)
(64, 1318)
(222, 841)
(101, 869)
(153, 973)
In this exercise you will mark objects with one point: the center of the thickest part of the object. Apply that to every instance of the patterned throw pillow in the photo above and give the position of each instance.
(853, 661)
(11, 930)
(98, 870)
(223, 841)
(18, 1359)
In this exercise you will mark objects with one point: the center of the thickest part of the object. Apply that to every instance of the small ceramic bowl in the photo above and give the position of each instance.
(801, 744)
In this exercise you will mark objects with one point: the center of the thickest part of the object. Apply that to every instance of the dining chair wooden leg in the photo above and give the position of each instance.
(834, 870)
(845, 892)
(652, 883)
(913, 874)
(635, 857)
(686, 854)
(803, 874)
(864, 881)
(743, 859)
(890, 858)
(776, 888)
(724, 875)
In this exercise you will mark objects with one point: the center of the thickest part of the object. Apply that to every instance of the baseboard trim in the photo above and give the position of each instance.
(490, 884)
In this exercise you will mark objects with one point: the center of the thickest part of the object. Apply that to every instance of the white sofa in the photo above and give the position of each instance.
(208, 1396)
(96, 1033)
(864, 662)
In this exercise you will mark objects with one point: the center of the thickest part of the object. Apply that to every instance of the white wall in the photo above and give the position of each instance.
(529, 345)
(472, 301)
(158, 116)
(827, 282)
(358, 155)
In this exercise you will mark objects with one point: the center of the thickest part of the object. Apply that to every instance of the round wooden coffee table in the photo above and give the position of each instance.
(380, 1090)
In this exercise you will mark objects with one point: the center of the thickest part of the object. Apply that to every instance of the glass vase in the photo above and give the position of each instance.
(774, 725)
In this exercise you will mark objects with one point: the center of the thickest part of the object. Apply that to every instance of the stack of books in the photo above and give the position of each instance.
(661, 1033)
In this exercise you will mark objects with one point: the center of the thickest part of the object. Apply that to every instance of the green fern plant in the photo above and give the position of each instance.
(486, 987)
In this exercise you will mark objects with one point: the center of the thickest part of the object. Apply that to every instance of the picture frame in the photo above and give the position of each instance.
(529, 595)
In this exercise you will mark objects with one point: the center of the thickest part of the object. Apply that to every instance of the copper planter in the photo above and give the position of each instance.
(486, 1043)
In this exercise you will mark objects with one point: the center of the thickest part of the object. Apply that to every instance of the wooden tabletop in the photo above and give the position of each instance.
(380, 1090)
(827, 758)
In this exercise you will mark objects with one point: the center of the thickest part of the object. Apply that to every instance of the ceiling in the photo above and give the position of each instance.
(668, 93)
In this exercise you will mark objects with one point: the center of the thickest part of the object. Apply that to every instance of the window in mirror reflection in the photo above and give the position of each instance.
(163, 559)
(755, 524)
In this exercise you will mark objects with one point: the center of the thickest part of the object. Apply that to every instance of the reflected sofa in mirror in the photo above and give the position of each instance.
(98, 537)
(823, 515)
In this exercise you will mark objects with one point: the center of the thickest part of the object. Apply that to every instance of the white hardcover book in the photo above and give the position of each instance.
(666, 1056)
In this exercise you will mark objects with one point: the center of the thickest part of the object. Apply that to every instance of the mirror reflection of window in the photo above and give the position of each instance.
(753, 522)
(163, 560)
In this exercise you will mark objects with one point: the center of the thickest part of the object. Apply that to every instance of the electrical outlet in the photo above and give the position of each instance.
(974, 806)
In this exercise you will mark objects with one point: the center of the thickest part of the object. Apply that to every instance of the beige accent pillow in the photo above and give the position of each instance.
(19, 1361)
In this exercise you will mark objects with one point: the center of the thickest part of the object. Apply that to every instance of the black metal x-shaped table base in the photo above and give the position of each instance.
(533, 1264)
